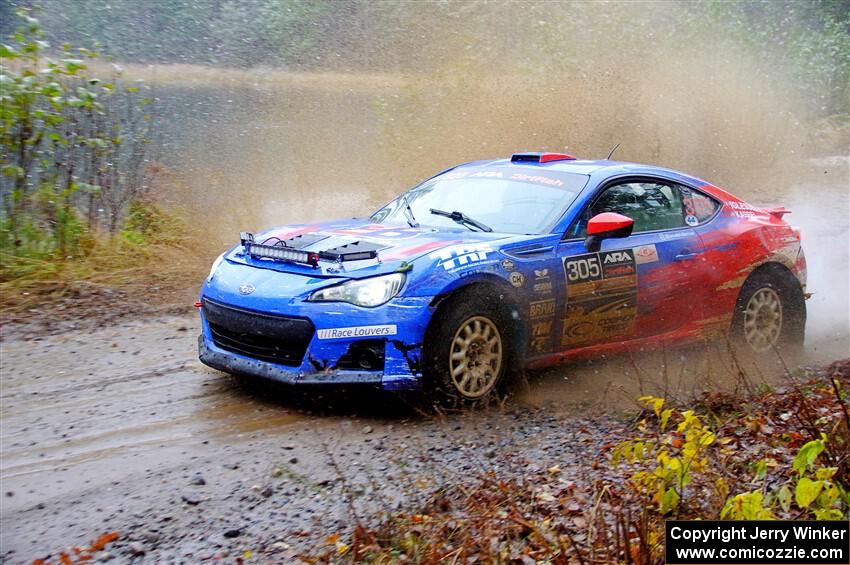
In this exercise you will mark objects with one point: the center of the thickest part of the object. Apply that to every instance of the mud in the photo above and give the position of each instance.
(108, 430)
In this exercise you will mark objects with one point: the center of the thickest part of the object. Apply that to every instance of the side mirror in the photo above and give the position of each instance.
(607, 225)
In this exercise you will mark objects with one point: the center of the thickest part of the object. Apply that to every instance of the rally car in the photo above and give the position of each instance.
(494, 266)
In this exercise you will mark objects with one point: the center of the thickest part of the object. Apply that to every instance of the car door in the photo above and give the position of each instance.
(633, 287)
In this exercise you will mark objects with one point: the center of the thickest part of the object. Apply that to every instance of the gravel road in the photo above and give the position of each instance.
(121, 429)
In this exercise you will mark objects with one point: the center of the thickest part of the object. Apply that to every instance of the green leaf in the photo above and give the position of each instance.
(828, 514)
(826, 473)
(7, 52)
(665, 417)
(761, 470)
(784, 497)
(12, 171)
(807, 455)
(807, 491)
(73, 65)
(669, 501)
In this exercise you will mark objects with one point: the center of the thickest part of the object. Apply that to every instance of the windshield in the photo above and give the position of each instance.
(506, 201)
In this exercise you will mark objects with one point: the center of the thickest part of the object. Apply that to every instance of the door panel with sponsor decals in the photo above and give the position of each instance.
(601, 297)
(637, 286)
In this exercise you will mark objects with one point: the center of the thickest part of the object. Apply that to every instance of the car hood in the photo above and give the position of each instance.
(395, 245)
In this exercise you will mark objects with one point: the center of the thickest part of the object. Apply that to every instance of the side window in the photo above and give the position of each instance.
(653, 206)
(699, 208)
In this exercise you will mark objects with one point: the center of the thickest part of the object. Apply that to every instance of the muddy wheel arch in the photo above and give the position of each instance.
(791, 292)
(501, 294)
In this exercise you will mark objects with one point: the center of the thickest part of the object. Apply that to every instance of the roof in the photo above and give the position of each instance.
(605, 167)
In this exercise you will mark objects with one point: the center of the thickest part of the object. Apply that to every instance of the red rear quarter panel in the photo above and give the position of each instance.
(738, 241)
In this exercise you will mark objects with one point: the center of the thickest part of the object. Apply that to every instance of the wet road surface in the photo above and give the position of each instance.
(108, 430)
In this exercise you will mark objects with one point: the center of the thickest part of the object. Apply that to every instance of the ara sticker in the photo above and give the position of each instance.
(691, 220)
(508, 265)
(517, 279)
(458, 256)
(646, 254)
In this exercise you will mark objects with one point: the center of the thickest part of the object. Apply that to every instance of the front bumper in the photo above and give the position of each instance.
(402, 350)
(235, 364)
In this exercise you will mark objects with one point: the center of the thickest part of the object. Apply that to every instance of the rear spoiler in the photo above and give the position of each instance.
(777, 212)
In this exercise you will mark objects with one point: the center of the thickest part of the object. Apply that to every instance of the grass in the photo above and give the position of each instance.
(153, 275)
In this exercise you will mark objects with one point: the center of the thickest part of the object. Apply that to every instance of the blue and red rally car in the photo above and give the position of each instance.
(494, 266)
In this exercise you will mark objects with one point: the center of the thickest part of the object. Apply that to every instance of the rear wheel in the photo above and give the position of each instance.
(468, 349)
(763, 320)
(770, 315)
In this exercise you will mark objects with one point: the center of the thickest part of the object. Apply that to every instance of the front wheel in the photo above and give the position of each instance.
(468, 349)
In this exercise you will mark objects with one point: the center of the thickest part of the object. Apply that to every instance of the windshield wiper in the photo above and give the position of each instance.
(462, 219)
(408, 213)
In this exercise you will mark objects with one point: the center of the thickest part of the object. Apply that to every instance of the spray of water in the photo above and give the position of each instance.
(257, 148)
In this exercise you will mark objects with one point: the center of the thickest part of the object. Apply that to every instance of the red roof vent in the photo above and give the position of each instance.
(540, 157)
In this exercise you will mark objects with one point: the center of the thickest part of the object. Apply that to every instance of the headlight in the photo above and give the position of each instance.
(215, 265)
(367, 292)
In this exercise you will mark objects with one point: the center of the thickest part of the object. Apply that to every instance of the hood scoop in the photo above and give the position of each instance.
(355, 251)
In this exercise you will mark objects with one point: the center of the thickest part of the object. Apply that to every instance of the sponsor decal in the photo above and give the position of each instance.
(542, 282)
(508, 265)
(539, 179)
(583, 268)
(517, 279)
(523, 177)
(246, 288)
(454, 175)
(691, 220)
(541, 328)
(678, 234)
(543, 320)
(738, 205)
(601, 295)
(542, 308)
(357, 331)
(578, 330)
(615, 257)
(741, 209)
(543, 287)
(646, 254)
(697, 204)
(457, 256)
(468, 273)
(541, 333)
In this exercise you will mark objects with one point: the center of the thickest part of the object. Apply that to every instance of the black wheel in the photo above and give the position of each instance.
(469, 348)
(770, 315)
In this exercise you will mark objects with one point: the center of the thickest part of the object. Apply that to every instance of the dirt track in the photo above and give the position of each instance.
(106, 429)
